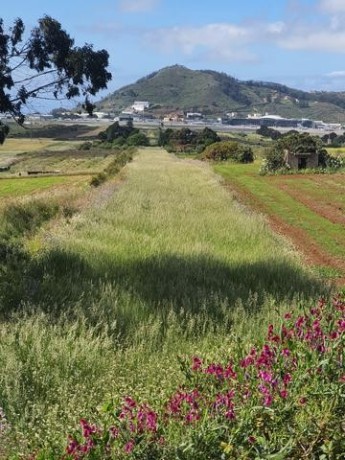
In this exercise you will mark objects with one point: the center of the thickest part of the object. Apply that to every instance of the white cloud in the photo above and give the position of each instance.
(315, 40)
(218, 41)
(135, 6)
(336, 74)
(332, 6)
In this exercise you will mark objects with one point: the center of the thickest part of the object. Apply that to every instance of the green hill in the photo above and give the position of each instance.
(213, 93)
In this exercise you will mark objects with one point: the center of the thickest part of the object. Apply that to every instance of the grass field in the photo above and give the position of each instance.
(308, 208)
(64, 157)
(165, 264)
(24, 186)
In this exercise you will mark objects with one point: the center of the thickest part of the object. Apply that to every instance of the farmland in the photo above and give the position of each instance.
(308, 209)
(159, 262)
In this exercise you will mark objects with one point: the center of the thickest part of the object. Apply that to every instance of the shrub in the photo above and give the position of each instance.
(228, 150)
(138, 139)
(85, 146)
(328, 161)
(273, 160)
(98, 179)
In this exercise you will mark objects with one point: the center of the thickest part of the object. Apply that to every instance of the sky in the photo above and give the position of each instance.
(300, 43)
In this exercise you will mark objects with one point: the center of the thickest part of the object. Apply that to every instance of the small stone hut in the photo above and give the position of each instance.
(301, 159)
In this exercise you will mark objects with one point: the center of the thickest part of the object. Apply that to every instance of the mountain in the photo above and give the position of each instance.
(177, 88)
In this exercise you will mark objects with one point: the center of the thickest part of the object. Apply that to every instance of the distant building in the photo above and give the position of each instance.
(194, 116)
(124, 118)
(140, 106)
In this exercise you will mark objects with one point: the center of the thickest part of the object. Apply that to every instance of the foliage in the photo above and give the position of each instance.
(121, 135)
(268, 132)
(4, 130)
(328, 161)
(53, 65)
(121, 158)
(138, 139)
(274, 158)
(240, 407)
(333, 139)
(186, 140)
(228, 150)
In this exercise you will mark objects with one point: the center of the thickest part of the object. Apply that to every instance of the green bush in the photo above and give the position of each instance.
(138, 139)
(85, 146)
(228, 150)
(98, 179)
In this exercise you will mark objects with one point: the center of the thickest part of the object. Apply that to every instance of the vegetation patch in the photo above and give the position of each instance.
(227, 150)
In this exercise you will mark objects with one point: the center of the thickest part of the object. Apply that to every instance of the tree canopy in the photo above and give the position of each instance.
(46, 63)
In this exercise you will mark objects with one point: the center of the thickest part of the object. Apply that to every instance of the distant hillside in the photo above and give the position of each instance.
(214, 93)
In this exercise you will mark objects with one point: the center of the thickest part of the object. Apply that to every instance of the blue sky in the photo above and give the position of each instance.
(300, 43)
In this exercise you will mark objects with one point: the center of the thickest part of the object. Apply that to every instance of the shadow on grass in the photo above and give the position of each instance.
(58, 280)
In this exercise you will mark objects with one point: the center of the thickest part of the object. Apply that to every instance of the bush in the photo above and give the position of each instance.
(98, 179)
(273, 160)
(228, 150)
(328, 161)
(85, 146)
(138, 139)
(265, 131)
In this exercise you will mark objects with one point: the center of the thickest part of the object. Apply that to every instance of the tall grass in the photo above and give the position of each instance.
(169, 265)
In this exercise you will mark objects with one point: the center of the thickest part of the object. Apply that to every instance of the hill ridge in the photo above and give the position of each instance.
(178, 88)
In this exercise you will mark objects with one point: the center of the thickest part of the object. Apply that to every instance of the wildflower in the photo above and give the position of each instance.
(87, 429)
(196, 363)
(302, 401)
(284, 394)
(265, 376)
(341, 324)
(287, 379)
(285, 352)
(114, 432)
(72, 446)
(268, 400)
(129, 446)
(251, 439)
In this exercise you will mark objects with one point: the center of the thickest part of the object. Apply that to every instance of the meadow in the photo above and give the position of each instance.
(156, 266)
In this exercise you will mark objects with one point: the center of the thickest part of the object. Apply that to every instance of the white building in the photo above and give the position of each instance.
(140, 106)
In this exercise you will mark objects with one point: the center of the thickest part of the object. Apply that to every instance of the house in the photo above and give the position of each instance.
(140, 106)
(301, 159)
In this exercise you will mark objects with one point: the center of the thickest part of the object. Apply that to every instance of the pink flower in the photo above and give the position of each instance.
(266, 376)
(287, 379)
(285, 352)
(196, 363)
(252, 439)
(284, 394)
(129, 446)
(268, 400)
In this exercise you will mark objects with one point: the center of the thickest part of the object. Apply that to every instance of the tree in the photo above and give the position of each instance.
(44, 64)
